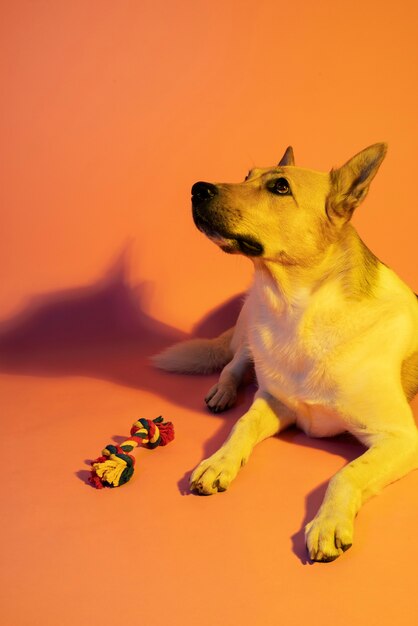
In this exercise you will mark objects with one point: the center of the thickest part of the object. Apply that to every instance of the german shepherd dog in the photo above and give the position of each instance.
(332, 333)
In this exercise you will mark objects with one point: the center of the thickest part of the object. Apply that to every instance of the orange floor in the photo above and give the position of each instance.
(110, 111)
(149, 552)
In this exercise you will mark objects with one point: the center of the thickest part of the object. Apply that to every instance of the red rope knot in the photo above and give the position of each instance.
(116, 466)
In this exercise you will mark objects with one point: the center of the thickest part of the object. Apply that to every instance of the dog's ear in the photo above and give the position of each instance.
(288, 157)
(350, 183)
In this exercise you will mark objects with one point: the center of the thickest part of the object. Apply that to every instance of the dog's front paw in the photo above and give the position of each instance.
(221, 397)
(214, 474)
(327, 537)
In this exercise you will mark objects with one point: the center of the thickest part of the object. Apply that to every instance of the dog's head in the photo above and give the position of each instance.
(284, 213)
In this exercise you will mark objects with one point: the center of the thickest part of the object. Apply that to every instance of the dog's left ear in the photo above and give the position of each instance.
(288, 157)
(350, 183)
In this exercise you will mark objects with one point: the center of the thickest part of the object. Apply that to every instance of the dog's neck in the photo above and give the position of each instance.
(347, 264)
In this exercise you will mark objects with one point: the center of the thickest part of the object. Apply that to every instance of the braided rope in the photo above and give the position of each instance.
(116, 466)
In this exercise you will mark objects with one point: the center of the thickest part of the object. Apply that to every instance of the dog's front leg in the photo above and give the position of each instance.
(390, 456)
(265, 418)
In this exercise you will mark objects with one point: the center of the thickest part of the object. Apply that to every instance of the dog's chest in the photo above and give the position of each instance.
(293, 363)
(288, 358)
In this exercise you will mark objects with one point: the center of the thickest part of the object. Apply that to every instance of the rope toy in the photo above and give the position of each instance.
(116, 466)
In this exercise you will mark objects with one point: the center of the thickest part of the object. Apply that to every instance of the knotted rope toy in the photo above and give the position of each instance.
(116, 466)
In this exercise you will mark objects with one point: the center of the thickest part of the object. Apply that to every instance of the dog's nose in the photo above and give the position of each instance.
(202, 192)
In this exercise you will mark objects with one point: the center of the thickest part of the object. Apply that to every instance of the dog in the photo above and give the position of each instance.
(332, 334)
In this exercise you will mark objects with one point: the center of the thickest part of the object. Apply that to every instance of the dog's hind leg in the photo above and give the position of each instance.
(223, 395)
(409, 376)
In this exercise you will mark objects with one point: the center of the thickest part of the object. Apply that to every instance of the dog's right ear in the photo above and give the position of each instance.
(350, 183)
(288, 157)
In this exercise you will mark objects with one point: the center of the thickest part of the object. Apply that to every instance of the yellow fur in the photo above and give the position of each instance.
(332, 332)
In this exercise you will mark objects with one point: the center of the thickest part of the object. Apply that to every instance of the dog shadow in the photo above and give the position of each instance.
(102, 331)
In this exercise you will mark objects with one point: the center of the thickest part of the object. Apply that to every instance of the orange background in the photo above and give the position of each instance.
(109, 112)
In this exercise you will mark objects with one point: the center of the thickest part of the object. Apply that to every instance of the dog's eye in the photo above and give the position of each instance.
(280, 186)
(248, 175)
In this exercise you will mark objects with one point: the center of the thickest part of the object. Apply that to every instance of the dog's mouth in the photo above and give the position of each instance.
(249, 246)
(232, 244)
(228, 242)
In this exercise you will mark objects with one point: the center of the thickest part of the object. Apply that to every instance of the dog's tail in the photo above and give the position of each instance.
(196, 356)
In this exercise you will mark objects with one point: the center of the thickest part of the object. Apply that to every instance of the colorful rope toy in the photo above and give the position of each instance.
(116, 466)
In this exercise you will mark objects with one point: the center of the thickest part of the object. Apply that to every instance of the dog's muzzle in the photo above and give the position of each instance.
(205, 218)
(211, 222)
